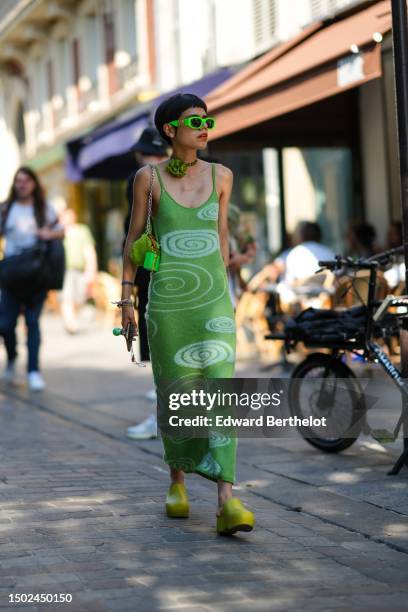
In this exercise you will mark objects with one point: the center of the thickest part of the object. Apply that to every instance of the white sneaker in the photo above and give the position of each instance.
(9, 373)
(36, 381)
(146, 430)
(151, 395)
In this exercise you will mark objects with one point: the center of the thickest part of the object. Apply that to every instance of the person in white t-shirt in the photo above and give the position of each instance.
(25, 218)
(303, 260)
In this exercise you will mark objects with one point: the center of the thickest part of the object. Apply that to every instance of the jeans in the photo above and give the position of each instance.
(142, 299)
(142, 281)
(10, 307)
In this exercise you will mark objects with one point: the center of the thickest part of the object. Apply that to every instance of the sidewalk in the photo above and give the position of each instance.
(81, 506)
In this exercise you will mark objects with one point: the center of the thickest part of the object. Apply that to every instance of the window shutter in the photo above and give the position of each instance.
(333, 5)
(265, 23)
(258, 21)
(326, 8)
(273, 21)
(317, 8)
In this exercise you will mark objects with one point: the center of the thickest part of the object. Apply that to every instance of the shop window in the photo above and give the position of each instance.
(249, 195)
(318, 187)
(106, 206)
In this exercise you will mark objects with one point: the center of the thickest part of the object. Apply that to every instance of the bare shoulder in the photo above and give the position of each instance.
(224, 175)
(223, 171)
(224, 178)
(142, 178)
(143, 174)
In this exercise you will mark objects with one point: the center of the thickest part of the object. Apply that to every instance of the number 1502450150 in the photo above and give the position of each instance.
(40, 597)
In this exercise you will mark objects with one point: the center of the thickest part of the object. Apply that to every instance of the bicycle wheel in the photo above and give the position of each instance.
(323, 386)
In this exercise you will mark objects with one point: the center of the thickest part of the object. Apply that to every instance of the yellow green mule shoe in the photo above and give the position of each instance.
(234, 517)
(177, 505)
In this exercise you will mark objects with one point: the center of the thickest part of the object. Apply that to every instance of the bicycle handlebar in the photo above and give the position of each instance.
(360, 263)
(385, 256)
(347, 262)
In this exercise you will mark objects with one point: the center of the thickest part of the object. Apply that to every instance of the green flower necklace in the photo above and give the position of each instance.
(178, 168)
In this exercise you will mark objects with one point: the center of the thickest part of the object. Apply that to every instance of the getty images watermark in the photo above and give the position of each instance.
(239, 407)
(225, 401)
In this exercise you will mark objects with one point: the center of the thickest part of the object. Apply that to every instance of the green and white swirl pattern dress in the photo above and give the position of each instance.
(190, 322)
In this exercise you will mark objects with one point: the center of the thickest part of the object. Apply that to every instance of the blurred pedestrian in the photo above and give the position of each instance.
(26, 218)
(272, 272)
(242, 251)
(267, 280)
(303, 260)
(149, 149)
(361, 239)
(80, 271)
(394, 235)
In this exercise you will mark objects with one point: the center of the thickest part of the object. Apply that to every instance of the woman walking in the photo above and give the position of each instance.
(190, 318)
(25, 218)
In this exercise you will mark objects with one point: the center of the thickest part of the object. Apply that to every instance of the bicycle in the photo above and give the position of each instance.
(336, 386)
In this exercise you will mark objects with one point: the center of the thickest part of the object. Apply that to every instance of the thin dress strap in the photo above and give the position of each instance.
(213, 179)
(159, 177)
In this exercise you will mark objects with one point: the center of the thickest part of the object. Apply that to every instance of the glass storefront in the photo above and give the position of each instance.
(248, 194)
(318, 187)
(105, 210)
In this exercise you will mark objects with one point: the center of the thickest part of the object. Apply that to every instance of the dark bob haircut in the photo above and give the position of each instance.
(171, 109)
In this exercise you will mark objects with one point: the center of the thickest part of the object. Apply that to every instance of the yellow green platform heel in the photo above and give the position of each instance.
(234, 517)
(177, 505)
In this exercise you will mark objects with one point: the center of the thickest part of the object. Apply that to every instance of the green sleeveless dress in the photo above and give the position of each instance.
(190, 323)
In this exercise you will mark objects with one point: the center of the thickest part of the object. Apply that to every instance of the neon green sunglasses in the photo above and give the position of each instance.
(195, 122)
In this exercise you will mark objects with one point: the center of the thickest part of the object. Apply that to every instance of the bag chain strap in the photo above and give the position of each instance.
(149, 203)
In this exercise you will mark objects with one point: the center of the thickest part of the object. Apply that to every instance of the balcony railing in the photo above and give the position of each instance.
(87, 95)
(60, 111)
(42, 131)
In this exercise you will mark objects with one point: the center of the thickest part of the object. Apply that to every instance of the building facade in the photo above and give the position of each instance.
(69, 66)
(332, 161)
(65, 67)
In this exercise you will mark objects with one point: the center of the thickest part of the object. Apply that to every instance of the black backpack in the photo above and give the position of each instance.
(40, 267)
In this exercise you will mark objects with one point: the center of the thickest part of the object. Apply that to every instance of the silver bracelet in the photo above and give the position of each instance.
(122, 303)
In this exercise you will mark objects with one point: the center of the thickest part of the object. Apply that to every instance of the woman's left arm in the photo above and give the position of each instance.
(225, 177)
(45, 233)
(52, 230)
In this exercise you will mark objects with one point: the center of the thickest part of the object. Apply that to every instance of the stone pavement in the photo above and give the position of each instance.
(81, 507)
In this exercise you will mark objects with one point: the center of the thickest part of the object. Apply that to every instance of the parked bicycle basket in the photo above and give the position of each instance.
(316, 327)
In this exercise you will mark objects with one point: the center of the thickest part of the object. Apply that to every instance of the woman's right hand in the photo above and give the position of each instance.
(128, 316)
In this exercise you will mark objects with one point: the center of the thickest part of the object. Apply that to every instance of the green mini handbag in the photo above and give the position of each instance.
(145, 251)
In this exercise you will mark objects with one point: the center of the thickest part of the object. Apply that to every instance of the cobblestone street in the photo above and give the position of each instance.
(82, 512)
